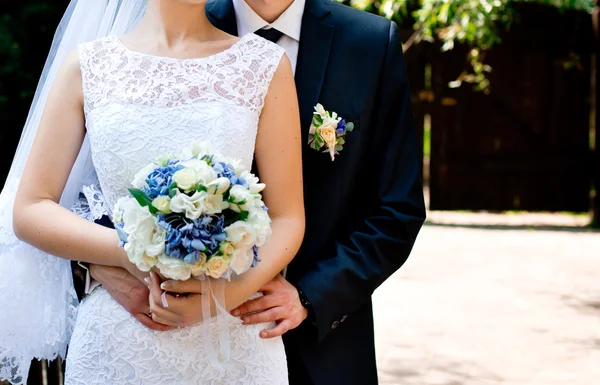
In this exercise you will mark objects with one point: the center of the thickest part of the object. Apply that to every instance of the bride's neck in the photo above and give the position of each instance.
(173, 21)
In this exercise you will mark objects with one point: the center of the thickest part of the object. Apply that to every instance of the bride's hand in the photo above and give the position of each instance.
(170, 308)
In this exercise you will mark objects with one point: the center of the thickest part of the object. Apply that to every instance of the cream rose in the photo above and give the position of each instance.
(216, 267)
(173, 268)
(199, 268)
(186, 179)
(328, 135)
(162, 204)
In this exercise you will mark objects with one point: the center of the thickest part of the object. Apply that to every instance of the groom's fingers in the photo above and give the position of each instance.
(274, 314)
(259, 304)
(150, 324)
(278, 330)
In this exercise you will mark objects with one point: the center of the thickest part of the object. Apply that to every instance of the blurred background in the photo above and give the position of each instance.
(503, 286)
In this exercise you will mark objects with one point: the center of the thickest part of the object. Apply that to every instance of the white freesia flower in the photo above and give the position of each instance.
(216, 267)
(162, 204)
(254, 187)
(235, 163)
(119, 209)
(173, 268)
(197, 148)
(319, 109)
(218, 186)
(242, 260)
(192, 206)
(186, 179)
(213, 204)
(241, 233)
(139, 180)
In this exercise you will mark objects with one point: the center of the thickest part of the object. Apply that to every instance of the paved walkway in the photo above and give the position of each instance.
(485, 306)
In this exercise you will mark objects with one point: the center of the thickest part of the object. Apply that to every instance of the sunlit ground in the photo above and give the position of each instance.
(480, 304)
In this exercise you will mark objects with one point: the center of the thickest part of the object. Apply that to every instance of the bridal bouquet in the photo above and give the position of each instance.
(194, 215)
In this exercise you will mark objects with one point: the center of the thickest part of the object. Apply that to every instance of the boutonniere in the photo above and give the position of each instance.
(328, 131)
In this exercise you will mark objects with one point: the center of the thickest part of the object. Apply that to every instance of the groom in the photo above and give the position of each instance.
(363, 210)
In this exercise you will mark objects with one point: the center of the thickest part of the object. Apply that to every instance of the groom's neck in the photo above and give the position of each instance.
(269, 10)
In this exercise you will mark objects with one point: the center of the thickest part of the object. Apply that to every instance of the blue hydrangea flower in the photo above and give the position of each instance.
(225, 170)
(185, 240)
(341, 127)
(161, 179)
(256, 259)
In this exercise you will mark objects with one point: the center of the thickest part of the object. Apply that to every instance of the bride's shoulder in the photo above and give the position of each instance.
(257, 45)
(101, 45)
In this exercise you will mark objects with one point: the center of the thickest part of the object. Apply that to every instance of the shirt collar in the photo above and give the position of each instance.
(289, 23)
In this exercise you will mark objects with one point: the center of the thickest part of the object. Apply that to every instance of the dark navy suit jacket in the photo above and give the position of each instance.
(365, 209)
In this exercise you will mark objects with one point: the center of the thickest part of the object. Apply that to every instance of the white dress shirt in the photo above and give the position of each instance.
(289, 23)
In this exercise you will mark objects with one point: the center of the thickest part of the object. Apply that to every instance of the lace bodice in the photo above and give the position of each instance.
(139, 106)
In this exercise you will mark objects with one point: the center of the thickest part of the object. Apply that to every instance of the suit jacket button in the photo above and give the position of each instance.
(335, 324)
(344, 318)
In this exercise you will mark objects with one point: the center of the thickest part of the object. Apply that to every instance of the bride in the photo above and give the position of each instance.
(149, 77)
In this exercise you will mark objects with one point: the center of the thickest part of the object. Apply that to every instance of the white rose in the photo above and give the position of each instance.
(204, 173)
(261, 222)
(186, 179)
(162, 204)
(254, 187)
(242, 260)
(132, 214)
(145, 242)
(241, 233)
(216, 267)
(196, 149)
(119, 209)
(173, 268)
(139, 180)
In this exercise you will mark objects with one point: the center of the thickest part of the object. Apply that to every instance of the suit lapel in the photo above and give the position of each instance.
(315, 44)
(222, 15)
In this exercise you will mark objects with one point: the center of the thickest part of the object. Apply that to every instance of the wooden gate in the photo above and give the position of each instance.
(525, 145)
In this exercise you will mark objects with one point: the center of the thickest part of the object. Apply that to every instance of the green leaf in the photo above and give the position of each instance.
(319, 119)
(143, 199)
(201, 188)
(350, 127)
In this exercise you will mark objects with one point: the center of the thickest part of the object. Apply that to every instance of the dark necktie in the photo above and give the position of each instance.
(270, 34)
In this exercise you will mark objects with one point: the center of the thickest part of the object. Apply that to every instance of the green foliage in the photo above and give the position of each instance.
(475, 23)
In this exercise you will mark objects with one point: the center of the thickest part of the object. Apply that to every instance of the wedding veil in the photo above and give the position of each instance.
(37, 299)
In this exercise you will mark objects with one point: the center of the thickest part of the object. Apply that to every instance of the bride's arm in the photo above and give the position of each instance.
(38, 218)
(279, 160)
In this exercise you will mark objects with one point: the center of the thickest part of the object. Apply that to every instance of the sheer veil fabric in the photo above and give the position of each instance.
(37, 300)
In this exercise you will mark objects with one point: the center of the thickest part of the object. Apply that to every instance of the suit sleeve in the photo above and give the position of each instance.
(341, 284)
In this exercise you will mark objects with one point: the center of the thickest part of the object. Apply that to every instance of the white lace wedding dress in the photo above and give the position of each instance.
(137, 107)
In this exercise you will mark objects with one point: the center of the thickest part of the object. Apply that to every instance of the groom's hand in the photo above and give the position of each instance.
(280, 303)
(129, 292)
